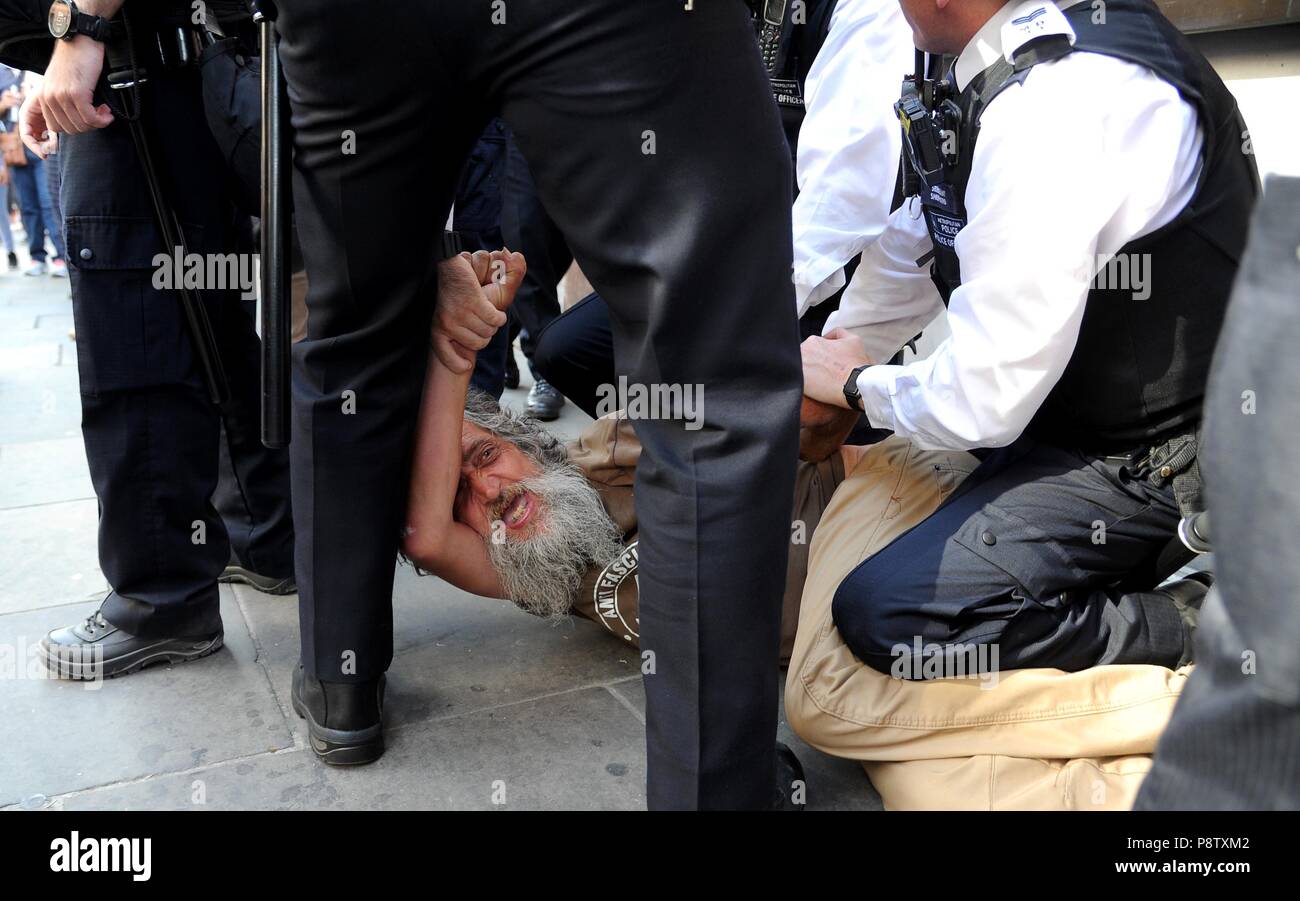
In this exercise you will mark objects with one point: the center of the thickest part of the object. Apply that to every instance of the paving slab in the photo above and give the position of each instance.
(49, 555)
(61, 736)
(44, 472)
(577, 751)
(454, 652)
(39, 403)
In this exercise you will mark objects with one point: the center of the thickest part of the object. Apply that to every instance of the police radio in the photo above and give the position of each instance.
(931, 121)
(769, 23)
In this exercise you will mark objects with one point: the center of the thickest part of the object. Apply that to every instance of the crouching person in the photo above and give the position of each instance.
(981, 737)
(1083, 321)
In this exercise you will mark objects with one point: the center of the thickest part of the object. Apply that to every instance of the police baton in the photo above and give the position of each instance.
(277, 161)
(125, 75)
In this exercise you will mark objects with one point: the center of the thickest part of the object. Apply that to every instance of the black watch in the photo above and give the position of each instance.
(851, 392)
(65, 22)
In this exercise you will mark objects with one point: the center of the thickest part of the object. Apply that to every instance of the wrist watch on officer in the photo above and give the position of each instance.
(65, 22)
(851, 392)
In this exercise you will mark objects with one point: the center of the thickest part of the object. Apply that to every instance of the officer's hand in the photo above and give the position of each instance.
(4, 180)
(827, 363)
(32, 128)
(473, 293)
(65, 101)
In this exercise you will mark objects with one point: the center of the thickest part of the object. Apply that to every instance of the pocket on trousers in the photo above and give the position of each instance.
(130, 334)
(120, 242)
(949, 472)
(1038, 564)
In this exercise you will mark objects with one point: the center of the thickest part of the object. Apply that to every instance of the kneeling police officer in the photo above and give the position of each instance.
(1081, 188)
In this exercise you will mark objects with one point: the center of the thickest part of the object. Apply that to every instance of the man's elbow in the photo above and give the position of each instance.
(423, 547)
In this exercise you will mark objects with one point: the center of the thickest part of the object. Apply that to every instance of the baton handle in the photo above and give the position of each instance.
(275, 238)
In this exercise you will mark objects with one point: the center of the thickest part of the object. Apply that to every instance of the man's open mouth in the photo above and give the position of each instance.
(518, 511)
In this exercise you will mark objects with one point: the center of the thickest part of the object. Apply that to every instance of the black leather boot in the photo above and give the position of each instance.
(791, 787)
(344, 719)
(278, 585)
(96, 649)
(544, 402)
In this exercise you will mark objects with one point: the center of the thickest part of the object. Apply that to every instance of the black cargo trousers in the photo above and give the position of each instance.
(151, 433)
(657, 149)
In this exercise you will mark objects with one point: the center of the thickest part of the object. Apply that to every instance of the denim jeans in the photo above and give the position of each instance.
(37, 208)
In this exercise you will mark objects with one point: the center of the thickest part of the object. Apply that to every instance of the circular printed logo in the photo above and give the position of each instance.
(616, 595)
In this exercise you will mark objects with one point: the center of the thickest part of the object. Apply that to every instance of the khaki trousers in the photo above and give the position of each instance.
(1030, 739)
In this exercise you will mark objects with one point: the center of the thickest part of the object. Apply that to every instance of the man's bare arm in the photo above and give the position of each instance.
(434, 540)
(823, 429)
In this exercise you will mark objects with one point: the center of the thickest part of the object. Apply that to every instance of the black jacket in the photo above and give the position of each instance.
(25, 41)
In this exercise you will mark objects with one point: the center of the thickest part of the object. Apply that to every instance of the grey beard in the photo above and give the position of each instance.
(542, 573)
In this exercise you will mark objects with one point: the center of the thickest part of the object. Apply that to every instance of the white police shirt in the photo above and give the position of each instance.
(1088, 154)
(849, 143)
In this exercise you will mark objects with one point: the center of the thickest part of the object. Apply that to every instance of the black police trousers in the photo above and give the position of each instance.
(476, 218)
(575, 354)
(1030, 555)
(151, 433)
(656, 148)
(529, 228)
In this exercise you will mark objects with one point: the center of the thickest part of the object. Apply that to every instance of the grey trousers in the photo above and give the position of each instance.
(1234, 740)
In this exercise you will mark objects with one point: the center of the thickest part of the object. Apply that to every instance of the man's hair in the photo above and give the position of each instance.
(526, 434)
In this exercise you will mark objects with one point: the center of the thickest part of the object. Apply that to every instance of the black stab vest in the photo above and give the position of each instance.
(1138, 372)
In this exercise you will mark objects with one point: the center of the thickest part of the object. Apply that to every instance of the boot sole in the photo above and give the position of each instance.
(341, 747)
(240, 576)
(75, 668)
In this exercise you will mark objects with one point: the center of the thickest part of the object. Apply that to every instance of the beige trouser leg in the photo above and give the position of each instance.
(1033, 738)
(298, 307)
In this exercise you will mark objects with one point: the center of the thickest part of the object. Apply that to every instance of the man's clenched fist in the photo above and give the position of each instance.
(474, 291)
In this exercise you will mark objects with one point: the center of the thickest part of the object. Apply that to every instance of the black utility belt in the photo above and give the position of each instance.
(153, 49)
(1161, 462)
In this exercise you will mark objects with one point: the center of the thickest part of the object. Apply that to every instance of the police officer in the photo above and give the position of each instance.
(849, 146)
(654, 144)
(1081, 193)
(575, 352)
(150, 426)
